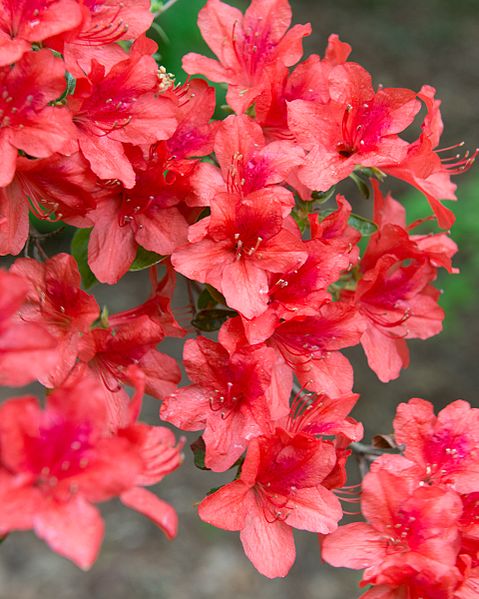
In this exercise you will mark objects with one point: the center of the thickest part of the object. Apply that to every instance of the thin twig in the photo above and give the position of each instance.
(165, 7)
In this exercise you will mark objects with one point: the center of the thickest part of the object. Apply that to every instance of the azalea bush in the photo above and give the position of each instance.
(248, 213)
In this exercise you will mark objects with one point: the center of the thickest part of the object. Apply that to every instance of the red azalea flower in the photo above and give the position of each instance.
(23, 22)
(331, 250)
(103, 24)
(27, 349)
(423, 167)
(148, 215)
(27, 122)
(236, 248)
(357, 127)
(247, 163)
(55, 300)
(308, 81)
(195, 103)
(247, 46)
(311, 344)
(444, 447)
(228, 399)
(55, 188)
(410, 532)
(280, 487)
(120, 107)
(394, 237)
(323, 415)
(157, 307)
(160, 455)
(55, 464)
(110, 354)
(398, 304)
(394, 293)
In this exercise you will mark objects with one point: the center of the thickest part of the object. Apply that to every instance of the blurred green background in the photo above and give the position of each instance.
(403, 43)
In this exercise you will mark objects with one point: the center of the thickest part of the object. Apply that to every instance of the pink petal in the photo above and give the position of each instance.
(148, 504)
(269, 546)
(73, 529)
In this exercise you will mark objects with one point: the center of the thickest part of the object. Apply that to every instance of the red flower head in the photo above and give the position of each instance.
(129, 343)
(122, 106)
(423, 167)
(103, 24)
(27, 349)
(308, 81)
(247, 46)
(411, 537)
(229, 398)
(444, 447)
(56, 463)
(279, 488)
(394, 294)
(27, 122)
(55, 188)
(195, 103)
(23, 22)
(357, 127)
(238, 245)
(398, 304)
(56, 301)
(147, 215)
(394, 237)
(311, 344)
(247, 163)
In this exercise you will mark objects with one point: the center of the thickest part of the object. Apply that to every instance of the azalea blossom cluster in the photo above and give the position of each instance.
(421, 538)
(94, 134)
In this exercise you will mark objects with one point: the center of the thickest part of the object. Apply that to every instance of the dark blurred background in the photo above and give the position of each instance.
(404, 44)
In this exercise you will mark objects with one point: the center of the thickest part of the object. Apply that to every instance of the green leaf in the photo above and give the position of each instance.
(205, 301)
(365, 226)
(198, 448)
(361, 185)
(216, 295)
(79, 248)
(211, 320)
(370, 172)
(321, 197)
(145, 259)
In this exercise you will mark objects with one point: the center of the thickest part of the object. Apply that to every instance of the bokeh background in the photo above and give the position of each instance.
(403, 43)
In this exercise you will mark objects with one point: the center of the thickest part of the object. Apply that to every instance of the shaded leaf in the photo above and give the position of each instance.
(145, 259)
(211, 320)
(364, 225)
(198, 448)
(79, 248)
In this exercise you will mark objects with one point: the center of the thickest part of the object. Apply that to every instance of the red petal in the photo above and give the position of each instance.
(73, 529)
(148, 504)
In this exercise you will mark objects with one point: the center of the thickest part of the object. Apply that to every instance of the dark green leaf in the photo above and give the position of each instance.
(79, 247)
(216, 295)
(370, 172)
(321, 197)
(205, 300)
(361, 185)
(198, 448)
(365, 226)
(145, 259)
(211, 320)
